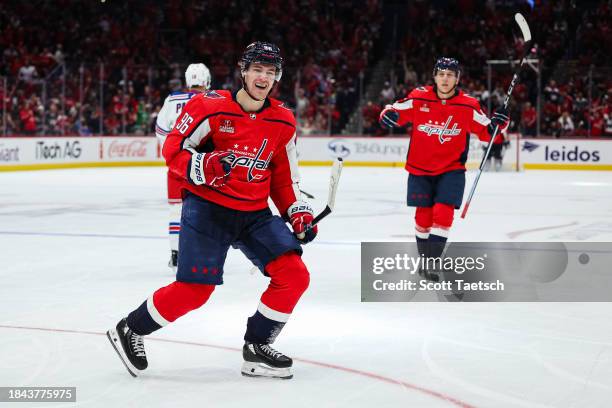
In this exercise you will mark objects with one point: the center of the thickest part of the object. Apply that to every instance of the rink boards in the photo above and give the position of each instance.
(37, 153)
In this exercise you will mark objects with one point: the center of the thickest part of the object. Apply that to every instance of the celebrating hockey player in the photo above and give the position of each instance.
(442, 117)
(234, 150)
(197, 79)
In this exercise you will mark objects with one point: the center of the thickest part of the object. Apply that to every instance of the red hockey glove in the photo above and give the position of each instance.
(211, 169)
(301, 215)
(389, 117)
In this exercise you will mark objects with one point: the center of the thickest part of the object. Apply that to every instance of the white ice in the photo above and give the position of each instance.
(81, 248)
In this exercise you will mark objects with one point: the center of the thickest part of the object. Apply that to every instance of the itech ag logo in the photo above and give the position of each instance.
(339, 147)
(529, 146)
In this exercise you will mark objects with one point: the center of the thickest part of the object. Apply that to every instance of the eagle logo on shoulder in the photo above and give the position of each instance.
(282, 105)
(213, 95)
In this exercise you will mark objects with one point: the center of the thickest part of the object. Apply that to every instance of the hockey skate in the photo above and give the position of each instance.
(129, 346)
(173, 262)
(431, 276)
(261, 360)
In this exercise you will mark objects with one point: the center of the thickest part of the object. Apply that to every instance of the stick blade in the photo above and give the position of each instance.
(333, 183)
(522, 23)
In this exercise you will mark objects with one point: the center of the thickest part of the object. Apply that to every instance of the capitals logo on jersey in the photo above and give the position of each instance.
(251, 160)
(442, 130)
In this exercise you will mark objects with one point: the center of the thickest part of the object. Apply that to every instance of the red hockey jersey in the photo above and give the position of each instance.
(263, 143)
(441, 130)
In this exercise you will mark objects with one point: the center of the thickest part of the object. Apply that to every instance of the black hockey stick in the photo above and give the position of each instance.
(336, 171)
(522, 23)
(308, 195)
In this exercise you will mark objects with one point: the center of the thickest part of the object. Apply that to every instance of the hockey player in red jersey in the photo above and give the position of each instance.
(442, 117)
(233, 151)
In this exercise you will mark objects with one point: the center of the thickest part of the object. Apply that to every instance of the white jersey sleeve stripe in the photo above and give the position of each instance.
(481, 118)
(403, 105)
(159, 129)
(197, 135)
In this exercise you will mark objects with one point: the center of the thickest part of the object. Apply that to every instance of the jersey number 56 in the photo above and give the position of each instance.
(183, 125)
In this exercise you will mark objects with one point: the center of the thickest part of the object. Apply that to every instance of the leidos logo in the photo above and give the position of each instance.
(571, 154)
(442, 130)
(529, 146)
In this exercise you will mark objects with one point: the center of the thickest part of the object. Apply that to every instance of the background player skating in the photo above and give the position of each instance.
(442, 118)
(497, 152)
(234, 150)
(197, 79)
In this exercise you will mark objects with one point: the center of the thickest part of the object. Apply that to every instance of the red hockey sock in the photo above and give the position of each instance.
(423, 218)
(290, 279)
(174, 189)
(173, 301)
(443, 215)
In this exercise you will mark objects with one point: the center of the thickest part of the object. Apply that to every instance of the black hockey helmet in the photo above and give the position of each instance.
(447, 63)
(263, 53)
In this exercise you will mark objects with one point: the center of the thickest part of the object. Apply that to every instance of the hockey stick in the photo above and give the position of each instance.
(308, 195)
(333, 187)
(522, 23)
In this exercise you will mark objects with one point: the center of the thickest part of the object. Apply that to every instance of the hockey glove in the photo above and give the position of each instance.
(300, 216)
(211, 169)
(389, 117)
(500, 118)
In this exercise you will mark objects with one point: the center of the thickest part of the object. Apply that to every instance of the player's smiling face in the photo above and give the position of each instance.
(259, 79)
(446, 80)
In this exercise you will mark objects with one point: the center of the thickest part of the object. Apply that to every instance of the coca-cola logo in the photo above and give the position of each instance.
(135, 148)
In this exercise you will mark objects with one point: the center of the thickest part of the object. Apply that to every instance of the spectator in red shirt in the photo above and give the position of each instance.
(529, 120)
(28, 120)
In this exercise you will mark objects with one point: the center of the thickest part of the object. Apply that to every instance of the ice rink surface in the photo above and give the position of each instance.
(81, 248)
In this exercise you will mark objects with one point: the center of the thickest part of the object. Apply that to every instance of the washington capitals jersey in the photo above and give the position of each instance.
(441, 129)
(171, 109)
(263, 143)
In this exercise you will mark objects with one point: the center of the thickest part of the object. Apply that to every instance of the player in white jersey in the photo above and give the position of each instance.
(197, 78)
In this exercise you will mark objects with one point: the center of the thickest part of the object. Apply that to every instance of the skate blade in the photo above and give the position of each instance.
(250, 369)
(114, 340)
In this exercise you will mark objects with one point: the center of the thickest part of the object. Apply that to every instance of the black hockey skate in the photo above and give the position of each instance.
(261, 360)
(173, 262)
(431, 276)
(129, 346)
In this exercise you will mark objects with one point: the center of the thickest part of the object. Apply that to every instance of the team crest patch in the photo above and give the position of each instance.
(424, 108)
(227, 126)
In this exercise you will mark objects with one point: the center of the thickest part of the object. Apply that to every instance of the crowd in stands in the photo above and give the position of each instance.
(572, 106)
(122, 58)
(109, 68)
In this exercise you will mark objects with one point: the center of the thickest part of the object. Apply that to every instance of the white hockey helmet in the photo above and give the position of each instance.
(197, 75)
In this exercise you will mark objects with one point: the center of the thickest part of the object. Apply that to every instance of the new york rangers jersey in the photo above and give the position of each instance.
(263, 144)
(173, 104)
(441, 130)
